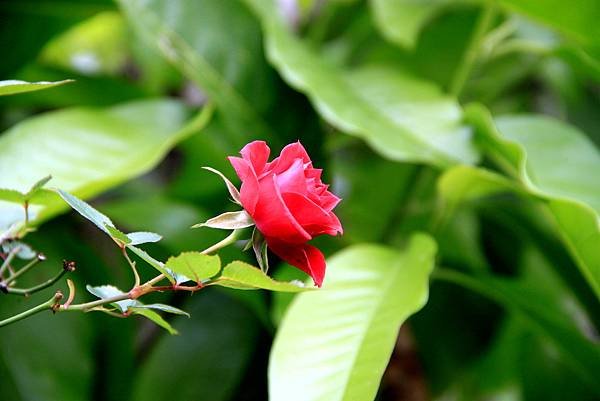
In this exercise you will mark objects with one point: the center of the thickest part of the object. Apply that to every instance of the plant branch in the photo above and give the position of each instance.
(36, 288)
(50, 304)
(39, 258)
(9, 259)
(133, 268)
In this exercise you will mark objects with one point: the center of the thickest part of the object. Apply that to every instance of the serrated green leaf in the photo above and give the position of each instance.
(143, 237)
(402, 117)
(160, 266)
(117, 235)
(334, 344)
(155, 317)
(195, 265)
(86, 210)
(228, 221)
(11, 195)
(37, 186)
(531, 148)
(243, 276)
(12, 87)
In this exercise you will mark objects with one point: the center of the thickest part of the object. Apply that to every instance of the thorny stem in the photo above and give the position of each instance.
(136, 292)
(50, 304)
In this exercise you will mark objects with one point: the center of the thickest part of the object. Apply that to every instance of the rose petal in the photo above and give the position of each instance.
(272, 216)
(314, 219)
(249, 190)
(292, 180)
(287, 157)
(257, 154)
(305, 257)
(329, 201)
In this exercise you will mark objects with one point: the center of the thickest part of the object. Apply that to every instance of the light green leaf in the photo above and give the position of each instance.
(548, 157)
(12, 87)
(243, 276)
(463, 183)
(109, 291)
(163, 308)
(143, 237)
(215, 56)
(400, 116)
(155, 317)
(334, 344)
(400, 21)
(35, 188)
(160, 266)
(195, 265)
(96, 46)
(11, 195)
(118, 236)
(88, 150)
(578, 21)
(228, 221)
(86, 210)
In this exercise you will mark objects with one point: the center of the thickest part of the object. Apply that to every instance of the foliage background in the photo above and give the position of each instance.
(393, 100)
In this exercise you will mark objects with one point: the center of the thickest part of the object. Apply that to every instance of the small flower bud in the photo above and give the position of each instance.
(69, 265)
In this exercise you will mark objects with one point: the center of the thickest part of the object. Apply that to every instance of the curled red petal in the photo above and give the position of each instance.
(304, 256)
(257, 154)
(292, 179)
(314, 219)
(272, 216)
(287, 157)
(249, 191)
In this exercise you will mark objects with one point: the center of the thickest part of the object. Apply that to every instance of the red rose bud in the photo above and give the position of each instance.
(288, 203)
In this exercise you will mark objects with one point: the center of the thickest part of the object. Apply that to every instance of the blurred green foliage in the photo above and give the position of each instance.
(475, 122)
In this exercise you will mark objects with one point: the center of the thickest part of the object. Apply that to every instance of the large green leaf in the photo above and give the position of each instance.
(334, 344)
(401, 20)
(12, 87)
(212, 353)
(88, 150)
(550, 159)
(96, 46)
(223, 59)
(400, 116)
(27, 26)
(578, 20)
